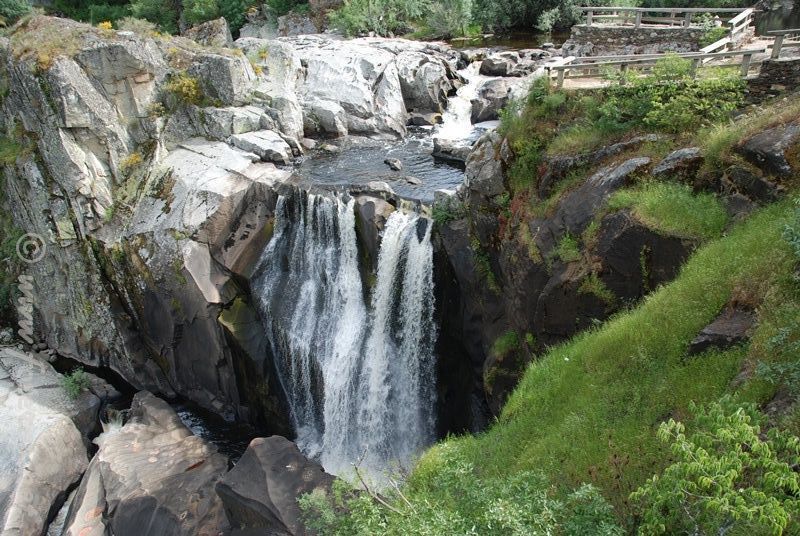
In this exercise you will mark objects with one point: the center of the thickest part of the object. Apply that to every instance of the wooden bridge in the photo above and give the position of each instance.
(717, 54)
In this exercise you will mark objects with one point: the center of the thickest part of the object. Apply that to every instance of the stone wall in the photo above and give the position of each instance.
(776, 76)
(604, 40)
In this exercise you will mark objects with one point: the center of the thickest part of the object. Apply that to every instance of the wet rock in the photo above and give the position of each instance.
(6, 336)
(730, 328)
(268, 145)
(769, 149)
(325, 117)
(453, 150)
(746, 182)
(152, 476)
(394, 163)
(373, 212)
(214, 33)
(42, 441)
(492, 96)
(261, 492)
(682, 162)
(308, 144)
(329, 148)
(499, 64)
(415, 181)
(484, 173)
(424, 119)
(738, 206)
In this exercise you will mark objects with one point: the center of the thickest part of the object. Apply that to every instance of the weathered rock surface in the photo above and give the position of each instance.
(683, 162)
(268, 145)
(43, 435)
(453, 150)
(295, 24)
(769, 150)
(738, 179)
(229, 79)
(214, 33)
(151, 476)
(730, 328)
(261, 492)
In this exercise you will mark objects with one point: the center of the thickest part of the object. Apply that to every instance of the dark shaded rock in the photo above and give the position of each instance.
(730, 328)
(418, 119)
(636, 259)
(748, 183)
(152, 476)
(768, 150)
(295, 24)
(394, 163)
(557, 167)
(492, 97)
(372, 214)
(499, 65)
(214, 33)
(682, 162)
(484, 173)
(261, 492)
(738, 206)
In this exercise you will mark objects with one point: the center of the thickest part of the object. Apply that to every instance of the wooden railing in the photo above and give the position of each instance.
(740, 18)
(784, 39)
(599, 66)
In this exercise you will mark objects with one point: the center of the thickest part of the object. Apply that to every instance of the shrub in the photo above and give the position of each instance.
(568, 249)
(234, 12)
(185, 89)
(278, 8)
(141, 27)
(12, 10)
(105, 25)
(75, 382)
(449, 18)
(199, 11)
(130, 163)
(713, 35)
(729, 475)
(379, 16)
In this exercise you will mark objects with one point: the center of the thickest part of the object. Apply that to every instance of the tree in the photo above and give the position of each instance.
(165, 16)
(729, 475)
(234, 13)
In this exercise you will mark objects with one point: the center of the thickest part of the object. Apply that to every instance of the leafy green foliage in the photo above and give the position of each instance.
(75, 383)
(93, 12)
(379, 16)
(442, 214)
(279, 8)
(234, 12)
(519, 505)
(449, 18)
(673, 208)
(729, 474)
(163, 16)
(198, 11)
(568, 249)
(12, 10)
(671, 100)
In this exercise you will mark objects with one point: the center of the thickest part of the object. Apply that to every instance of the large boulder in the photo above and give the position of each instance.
(261, 492)
(214, 33)
(295, 24)
(268, 145)
(425, 81)
(151, 476)
(42, 441)
(492, 96)
(769, 150)
(731, 327)
(227, 78)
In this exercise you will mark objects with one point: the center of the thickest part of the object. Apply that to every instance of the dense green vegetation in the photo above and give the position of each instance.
(75, 383)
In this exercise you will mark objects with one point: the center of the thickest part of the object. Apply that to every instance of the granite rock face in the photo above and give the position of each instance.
(43, 438)
(151, 476)
(261, 492)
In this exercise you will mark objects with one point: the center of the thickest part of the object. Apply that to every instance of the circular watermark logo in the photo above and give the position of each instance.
(31, 248)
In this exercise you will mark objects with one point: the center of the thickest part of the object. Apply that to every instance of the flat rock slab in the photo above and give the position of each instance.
(730, 328)
(768, 150)
(268, 145)
(262, 490)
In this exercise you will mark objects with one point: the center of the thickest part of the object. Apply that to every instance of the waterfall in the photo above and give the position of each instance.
(456, 121)
(358, 373)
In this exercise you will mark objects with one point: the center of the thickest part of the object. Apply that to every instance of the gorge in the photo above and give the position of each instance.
(473, 297)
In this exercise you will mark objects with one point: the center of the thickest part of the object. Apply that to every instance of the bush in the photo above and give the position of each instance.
(75, 383)
(278, 8)
(199, 11)
(729, 475)
(12, 10)
(671, 100)
(379, 16)
(519, 505)
(234, 12)
(449, 18)
(185, 89)
(138, 26)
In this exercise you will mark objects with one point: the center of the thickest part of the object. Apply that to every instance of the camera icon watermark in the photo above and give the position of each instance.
(31, 248)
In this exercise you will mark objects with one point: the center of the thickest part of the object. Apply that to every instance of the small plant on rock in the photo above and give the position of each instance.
(75, 383)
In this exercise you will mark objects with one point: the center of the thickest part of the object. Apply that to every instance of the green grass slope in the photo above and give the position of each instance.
(588, 410)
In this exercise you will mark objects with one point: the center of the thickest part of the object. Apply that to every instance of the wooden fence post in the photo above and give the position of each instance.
(560, 80)
(695, 65)
(687, 20)
(746, 64)
(623, 70)
(776, 46)
(638, 18)
(589, 15)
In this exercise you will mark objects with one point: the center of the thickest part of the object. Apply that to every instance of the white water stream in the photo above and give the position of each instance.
(358, 372)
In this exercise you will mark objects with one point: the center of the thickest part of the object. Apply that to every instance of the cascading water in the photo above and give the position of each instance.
(359, 377)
